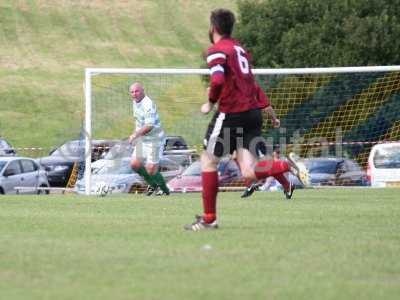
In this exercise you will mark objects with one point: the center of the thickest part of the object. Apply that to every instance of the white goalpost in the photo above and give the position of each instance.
(312, 104)
(92, 72)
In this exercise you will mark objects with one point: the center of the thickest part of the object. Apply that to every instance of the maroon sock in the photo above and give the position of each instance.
(248, 182)
(209, 181)
(283, 181)
(266, 168)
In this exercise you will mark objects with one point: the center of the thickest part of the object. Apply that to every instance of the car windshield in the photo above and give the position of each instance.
(175, 143)
(193, 170)
(75, 149)
(2, 164)
(352, 166)
(120, 150)
(4, 144)
(321, 166)
(387, 157)
(120, 167)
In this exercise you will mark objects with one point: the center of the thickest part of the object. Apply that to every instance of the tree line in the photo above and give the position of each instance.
(320, 33)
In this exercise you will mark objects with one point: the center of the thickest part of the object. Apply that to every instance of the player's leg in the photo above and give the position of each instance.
(254, 185)
(264, 168)
(247, 162)
(153, 153)
(215, 146)
(275, 168)
(298, 168)
(209, 177)
(251, 187)
(137, 164)
(209, 181)
(287, 185)
(159, 180)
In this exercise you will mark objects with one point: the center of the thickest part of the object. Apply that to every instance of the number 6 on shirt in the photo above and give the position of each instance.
(242, 60)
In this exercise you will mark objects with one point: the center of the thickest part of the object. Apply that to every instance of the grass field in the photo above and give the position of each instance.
(325, 244)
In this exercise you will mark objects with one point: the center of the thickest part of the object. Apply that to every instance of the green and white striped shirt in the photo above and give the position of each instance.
(145, 113)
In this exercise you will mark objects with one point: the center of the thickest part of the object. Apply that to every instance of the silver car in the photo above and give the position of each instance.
(22, 175)
(6, 149)
(119, 177)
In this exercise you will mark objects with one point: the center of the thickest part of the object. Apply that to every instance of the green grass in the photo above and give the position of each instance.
(46, 45)
(325, 244)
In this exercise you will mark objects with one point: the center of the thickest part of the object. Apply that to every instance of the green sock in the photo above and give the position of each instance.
(159, 180)
(142, 172)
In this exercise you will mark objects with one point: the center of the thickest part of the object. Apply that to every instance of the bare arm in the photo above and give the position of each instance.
(208, 106)
(274, 119)
(140, 132)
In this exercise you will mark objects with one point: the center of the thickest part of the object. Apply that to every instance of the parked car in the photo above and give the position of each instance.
(333, 171)
(6, 149)
(60, 162)
(120, 178)
(21, 172)
(124, 149)
(175, 143)
(384, 165)
(175, 148)
(190, 180)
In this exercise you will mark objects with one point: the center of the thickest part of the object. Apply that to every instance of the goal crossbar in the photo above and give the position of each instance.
(284, 71)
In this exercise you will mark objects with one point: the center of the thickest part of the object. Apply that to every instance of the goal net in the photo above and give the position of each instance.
(335, 112)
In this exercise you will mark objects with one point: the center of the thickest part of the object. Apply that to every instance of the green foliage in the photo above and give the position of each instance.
(320, 33)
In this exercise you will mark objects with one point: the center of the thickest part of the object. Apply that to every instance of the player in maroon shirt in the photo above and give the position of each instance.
(236, 126)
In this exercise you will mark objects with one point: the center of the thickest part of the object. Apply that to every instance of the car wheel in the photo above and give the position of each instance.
(1, 191)
(43, 192)
(137, 188)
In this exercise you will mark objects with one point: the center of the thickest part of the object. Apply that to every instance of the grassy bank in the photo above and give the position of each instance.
(46, 45)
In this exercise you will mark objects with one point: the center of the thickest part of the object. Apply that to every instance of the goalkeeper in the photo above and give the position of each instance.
(149, 139)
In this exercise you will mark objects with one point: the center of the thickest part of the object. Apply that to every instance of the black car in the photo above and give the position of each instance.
(6, 149)
(333, 171)
(173, 143)
(60, 162)
(176, 149)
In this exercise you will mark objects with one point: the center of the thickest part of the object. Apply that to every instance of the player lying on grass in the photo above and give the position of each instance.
(237, 123)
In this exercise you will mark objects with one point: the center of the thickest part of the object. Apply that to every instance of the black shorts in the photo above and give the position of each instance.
(230, 131)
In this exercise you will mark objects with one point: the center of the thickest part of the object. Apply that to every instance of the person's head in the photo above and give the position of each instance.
(136, 91)
(221, 23)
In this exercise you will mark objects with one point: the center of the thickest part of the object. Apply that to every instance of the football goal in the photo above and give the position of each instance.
(340, 112)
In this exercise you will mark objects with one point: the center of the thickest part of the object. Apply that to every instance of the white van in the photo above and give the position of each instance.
(384, 165)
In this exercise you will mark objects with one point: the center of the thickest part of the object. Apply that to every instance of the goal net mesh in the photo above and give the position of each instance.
(329, 114)
(341, 115)
(177, 98)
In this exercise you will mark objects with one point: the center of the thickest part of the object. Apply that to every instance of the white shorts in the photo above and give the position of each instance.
(149, 151)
